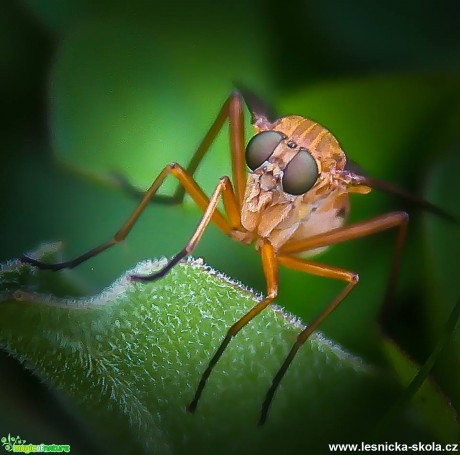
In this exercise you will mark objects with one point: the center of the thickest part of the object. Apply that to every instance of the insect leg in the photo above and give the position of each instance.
(190, 186)
(223, 189)
(271, 275)
(363, 229)
(315, 269)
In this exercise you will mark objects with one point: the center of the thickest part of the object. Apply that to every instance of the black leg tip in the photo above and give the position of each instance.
(143, 277)
(192, 407)
(262, 420)
(41, 265)
(27, 259)
(136, 278)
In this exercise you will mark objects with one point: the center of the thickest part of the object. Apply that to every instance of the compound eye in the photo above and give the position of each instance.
(260, 148)
(300, 174)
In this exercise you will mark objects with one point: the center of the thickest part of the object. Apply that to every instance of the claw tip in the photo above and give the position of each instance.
(191, 407)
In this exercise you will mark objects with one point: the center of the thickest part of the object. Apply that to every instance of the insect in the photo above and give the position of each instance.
(294, 200)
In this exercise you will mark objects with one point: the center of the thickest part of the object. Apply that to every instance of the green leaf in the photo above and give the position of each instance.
(129, 359)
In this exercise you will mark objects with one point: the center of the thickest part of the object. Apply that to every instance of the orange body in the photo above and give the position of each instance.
(269, 212)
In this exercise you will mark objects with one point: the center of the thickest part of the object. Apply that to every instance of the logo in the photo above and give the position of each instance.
(19, 445)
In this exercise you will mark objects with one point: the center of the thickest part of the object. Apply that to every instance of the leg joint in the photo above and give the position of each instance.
(224, 180)
(232, 331)
(404, 217)
(174, 165)
(118, 237)
(272, 294)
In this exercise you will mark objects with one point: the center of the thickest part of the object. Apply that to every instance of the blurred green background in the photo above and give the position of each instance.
(93, 87)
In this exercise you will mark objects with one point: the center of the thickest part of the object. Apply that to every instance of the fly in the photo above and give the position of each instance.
(292, 203)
